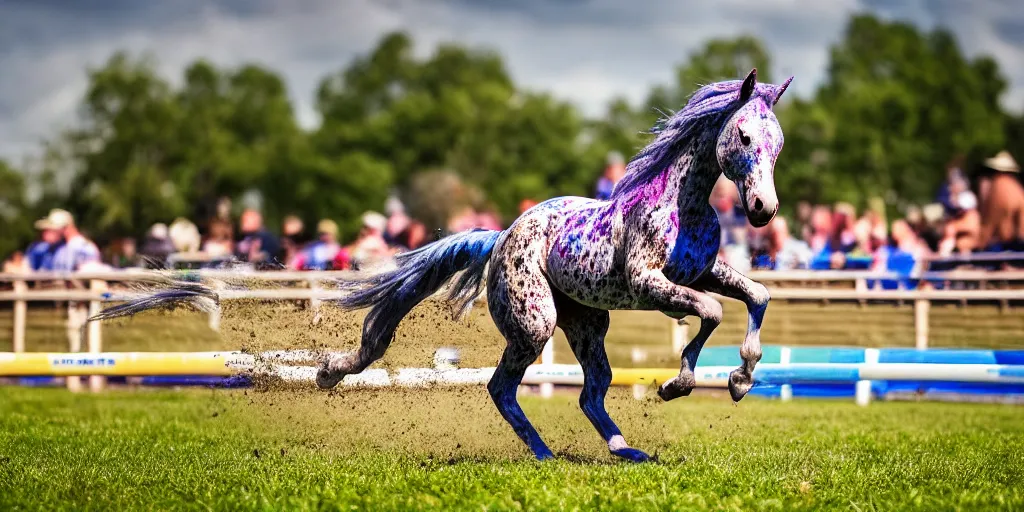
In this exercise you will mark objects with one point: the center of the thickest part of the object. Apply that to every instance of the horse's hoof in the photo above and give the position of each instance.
(326, 380)
(544, 455)
(631, 454)
(739, 385)
(675, 388)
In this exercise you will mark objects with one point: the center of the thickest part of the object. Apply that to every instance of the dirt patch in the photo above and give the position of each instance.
(259, 326)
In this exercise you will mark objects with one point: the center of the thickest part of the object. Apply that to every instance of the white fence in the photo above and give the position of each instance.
(91, 289)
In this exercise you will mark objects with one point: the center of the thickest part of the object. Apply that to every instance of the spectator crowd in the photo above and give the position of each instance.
(962, 220)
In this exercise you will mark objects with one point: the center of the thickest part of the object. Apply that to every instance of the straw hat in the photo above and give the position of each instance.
(57, 219)
(327, 227)
(1003, 162)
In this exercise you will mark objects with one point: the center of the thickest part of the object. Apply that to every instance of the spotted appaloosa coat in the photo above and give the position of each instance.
(567, 261)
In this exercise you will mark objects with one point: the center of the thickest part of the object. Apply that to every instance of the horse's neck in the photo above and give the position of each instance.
(692, 179)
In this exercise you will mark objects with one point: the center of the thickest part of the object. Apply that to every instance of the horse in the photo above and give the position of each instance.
(653, 245)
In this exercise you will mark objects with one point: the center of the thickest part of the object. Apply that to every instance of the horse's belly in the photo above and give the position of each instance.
(589, 275)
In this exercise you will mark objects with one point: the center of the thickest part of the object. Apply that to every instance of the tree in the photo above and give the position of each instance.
(897, 105)
(15, 212)
(457, 110)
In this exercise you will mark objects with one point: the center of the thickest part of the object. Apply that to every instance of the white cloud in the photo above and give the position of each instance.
(585, 52)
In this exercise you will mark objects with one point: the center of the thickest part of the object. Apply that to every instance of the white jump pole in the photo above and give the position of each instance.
(95, 342)
(20, 317)
(547, 358)
(863, 387)
(786, 391)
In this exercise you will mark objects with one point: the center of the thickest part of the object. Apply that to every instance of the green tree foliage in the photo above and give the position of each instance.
(15, 210)
(457, 110)
(897, 105)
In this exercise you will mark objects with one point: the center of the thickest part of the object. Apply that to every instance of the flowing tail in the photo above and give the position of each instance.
(175, 292)
(393, 294)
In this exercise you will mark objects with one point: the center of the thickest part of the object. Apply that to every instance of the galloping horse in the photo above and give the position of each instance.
(567, 261)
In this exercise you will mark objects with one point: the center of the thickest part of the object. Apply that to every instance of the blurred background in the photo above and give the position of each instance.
(324, 135)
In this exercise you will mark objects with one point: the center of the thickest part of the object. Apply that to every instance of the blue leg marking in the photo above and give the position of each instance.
(585, 330)
(631, 454)
(503, 386)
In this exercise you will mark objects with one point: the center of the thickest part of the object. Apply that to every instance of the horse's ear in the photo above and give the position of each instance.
(747, 89)
(781, 89)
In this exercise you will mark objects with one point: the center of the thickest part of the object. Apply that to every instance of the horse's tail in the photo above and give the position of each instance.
(419, 274)
(175, 292)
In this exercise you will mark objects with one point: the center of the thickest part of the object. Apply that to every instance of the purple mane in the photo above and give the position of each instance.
(706, 110)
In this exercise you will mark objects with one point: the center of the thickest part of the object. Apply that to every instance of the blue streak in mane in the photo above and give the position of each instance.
(707, 109)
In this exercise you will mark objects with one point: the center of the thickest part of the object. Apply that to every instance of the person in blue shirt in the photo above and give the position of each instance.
(320, 254)
(39, 254)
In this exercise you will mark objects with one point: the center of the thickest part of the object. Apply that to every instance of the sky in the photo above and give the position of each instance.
(584, 51)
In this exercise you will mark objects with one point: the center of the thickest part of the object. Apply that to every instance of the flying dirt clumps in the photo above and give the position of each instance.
(257, 326)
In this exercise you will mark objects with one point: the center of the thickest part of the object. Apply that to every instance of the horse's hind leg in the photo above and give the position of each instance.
(376, 339)
(522, 307)
(585, 328)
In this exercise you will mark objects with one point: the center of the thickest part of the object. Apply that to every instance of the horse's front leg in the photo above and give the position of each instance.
(725, 280)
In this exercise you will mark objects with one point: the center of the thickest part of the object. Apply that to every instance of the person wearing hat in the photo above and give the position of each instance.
(74, 251)
(39, 254)
(1002, 206)
(319, 254)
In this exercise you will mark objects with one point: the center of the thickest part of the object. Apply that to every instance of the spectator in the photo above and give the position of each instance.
(402, 232)
(16, 264)
(257, 245)
(369, 247)
(184, 236)
(725, 199)
(122, 253)
(39, 255)
(220, 239)
(464, 220)
(156, 247)
(784, 251)
(1002, 206)
(75, 252)
(821, 229)
(488, 220)
(963, 223)
(292, 237)
(321, 253)
(843, 238)
(802, 224)
(613, 172)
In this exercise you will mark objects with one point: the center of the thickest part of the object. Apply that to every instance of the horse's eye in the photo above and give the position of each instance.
(743, 137)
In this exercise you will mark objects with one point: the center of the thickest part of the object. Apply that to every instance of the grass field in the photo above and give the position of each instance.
(298, 450)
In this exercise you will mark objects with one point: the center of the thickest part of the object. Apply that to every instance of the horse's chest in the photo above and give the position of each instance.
(694, 249)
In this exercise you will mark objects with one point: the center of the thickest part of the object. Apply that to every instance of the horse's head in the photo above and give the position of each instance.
(748, 145)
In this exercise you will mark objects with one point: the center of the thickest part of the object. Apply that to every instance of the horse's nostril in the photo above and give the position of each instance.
(758, 205)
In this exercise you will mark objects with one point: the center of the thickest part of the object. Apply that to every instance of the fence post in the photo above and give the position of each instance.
(20, 317)
(863, 387)
(921, 310)
(95, 341)
(75, 320)
(314, 303)
(680, 331)
(547, 357)
(786, 391)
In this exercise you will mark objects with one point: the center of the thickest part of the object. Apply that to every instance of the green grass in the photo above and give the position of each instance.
(299, 450)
